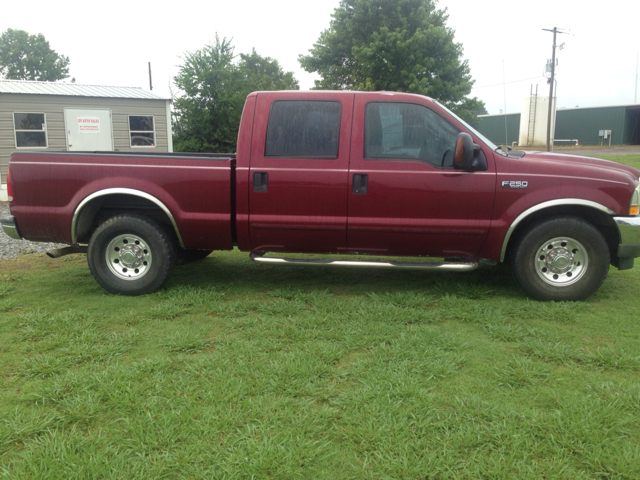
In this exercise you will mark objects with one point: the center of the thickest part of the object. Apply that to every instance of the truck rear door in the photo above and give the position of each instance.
(299, 172)
(405, 198)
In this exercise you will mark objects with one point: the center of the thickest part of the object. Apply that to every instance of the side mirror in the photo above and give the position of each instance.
(463, 156)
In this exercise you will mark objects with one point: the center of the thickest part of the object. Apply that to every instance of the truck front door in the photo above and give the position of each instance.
(405, 198)
(299, 173)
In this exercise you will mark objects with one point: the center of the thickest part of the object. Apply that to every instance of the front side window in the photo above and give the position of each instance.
(30, 130)
(408, 131)
(141, 131)
(303, 129)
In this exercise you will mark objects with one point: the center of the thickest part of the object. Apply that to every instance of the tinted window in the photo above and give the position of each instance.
(303, 129)
(407, 131)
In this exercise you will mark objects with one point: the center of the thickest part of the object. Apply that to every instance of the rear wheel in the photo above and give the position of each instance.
(131, 255)
(561, 259)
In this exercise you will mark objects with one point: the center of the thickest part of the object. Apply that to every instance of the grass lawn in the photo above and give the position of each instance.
(239, 370)
(632, 160)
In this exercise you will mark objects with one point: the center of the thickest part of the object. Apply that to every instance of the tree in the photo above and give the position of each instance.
(29, 57)
(264, 73)
(215, 85)
(396, 45)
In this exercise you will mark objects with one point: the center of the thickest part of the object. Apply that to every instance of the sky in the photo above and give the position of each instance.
(111, 43)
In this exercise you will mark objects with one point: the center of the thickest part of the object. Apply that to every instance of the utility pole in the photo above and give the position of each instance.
(553, 71)
(150, 84)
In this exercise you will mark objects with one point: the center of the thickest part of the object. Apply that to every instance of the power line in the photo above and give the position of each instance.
(506, 83)
(628, 69)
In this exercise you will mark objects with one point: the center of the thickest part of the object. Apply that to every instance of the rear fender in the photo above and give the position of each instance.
(120, 191)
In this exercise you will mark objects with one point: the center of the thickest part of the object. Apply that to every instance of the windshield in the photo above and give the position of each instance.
(489, 143)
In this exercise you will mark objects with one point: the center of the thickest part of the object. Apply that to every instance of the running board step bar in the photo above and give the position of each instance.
(456, 266)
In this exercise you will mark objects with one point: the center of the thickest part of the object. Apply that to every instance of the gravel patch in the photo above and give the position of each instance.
(10, 248)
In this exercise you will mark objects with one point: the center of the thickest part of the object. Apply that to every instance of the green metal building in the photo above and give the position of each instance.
(493, 127)
(587, 125)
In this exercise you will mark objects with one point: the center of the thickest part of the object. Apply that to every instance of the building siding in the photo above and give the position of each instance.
(632, 125)
(584, 124)
(492, 127)
(53, 107)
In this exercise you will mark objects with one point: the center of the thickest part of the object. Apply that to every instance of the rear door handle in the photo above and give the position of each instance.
(260, 181)
(360, 183)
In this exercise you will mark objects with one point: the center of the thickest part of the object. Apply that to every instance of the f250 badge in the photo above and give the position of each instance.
(515, 184)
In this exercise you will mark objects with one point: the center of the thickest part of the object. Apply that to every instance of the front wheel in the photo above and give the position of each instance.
(561, 259)
(131, 255)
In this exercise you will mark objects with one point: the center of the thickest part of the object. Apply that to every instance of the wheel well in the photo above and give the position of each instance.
(104, 207)
(601, 221)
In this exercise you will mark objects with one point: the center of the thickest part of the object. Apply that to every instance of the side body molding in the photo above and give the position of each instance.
(542, 206)
(122, 191)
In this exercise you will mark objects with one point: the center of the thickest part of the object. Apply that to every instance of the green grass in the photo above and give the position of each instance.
(239, 370)
(631, 160)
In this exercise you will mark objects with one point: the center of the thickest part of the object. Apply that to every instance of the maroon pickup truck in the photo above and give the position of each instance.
(339, 173)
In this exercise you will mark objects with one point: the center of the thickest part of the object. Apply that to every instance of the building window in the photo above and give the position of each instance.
(30, 130)
(303, 129)
(141, 131)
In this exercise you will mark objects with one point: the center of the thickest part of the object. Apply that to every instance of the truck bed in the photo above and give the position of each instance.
(195, 188)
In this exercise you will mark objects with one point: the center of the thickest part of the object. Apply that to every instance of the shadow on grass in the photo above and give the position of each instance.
(234, 270)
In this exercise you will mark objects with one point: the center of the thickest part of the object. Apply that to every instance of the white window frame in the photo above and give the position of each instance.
(15, 131)
(131, 132)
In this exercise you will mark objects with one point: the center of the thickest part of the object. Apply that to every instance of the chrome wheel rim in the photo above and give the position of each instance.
(128, 257)
(561, 261)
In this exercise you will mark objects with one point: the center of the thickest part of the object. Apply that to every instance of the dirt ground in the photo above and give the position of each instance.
(593, 151)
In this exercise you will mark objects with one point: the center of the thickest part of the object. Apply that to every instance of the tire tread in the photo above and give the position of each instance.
(164, 252)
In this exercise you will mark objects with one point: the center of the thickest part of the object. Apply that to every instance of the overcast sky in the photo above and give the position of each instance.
(111, 43)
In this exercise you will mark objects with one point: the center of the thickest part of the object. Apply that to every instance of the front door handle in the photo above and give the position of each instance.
(360, 183)
(260, 181)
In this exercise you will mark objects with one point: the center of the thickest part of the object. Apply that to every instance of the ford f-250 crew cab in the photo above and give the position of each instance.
(342, 173)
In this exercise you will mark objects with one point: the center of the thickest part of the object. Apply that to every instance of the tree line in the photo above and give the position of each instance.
(370, 45)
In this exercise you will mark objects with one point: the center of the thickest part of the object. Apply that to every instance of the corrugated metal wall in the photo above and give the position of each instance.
(585, 124)
(492, 127)
(53, 107)
(632, 125)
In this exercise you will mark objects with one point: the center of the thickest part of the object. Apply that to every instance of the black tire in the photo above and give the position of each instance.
(131, 255)
(191, 255)
(561, 259)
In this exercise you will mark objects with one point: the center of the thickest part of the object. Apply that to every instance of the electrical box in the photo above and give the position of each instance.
(604, 133)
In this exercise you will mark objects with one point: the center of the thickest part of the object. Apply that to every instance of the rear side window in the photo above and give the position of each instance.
(303, 129)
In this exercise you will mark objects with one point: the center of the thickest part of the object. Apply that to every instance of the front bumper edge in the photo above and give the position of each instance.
(629, 247)
(10, 227)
